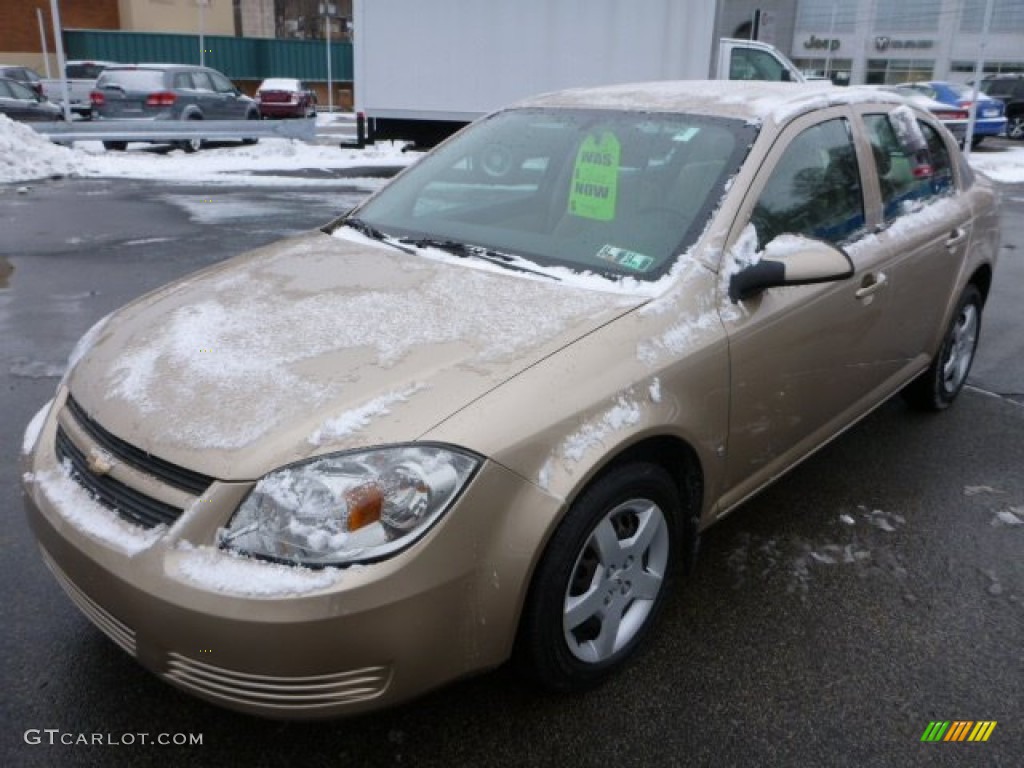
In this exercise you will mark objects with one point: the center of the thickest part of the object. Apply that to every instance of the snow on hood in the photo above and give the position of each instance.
(316, 344)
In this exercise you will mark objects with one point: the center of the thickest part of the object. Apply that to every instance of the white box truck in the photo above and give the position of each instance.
(424, 68)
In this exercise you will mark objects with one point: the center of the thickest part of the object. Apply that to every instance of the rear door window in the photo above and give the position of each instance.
(221, 84)
(202, 81)
(912, 161)
(132, 79)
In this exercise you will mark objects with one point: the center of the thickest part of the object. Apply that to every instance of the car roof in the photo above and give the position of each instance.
(751, 100)
(162, 66)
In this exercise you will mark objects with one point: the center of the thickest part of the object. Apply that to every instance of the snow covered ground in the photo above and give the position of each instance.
(25, 156)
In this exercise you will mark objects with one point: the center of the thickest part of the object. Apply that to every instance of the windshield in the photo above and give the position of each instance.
(132, 79)
(616, 193)
(84, 71)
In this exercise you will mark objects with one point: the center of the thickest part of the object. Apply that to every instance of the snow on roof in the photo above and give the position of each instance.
(280, 84)
(750, 100)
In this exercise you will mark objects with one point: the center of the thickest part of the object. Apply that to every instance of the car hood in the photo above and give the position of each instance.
(318, 344)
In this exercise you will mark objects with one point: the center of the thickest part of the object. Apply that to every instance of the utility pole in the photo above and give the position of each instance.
(58, 41)
(42, 40)
(325, 9)
(978, 68)
(202, 31)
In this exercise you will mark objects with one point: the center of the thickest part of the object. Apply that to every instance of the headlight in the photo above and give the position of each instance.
(349, 508)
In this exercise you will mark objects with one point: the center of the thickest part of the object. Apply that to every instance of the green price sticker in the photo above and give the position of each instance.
(595, 179)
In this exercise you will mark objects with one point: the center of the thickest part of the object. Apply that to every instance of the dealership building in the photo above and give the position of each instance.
(884, 41)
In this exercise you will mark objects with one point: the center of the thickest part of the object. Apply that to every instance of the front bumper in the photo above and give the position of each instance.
(333, 642)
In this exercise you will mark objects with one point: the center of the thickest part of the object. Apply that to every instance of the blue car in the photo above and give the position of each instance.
(991, 118)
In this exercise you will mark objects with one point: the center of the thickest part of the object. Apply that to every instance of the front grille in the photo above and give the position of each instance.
(278, 693)
(133, 506)
(116, 630)
(171, 474)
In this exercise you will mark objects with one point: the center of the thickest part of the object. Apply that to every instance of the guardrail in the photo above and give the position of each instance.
(175, 130)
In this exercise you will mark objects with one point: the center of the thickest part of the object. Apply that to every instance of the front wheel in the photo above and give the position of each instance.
(938, 387)
(115, 146)
(602, 579)
(1015, 127)
(251, 116)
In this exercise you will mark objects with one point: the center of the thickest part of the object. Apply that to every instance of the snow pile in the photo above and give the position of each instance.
(25, 155)
(77, 506)
(252, 165)
(234, 574)
(1005, 166)
(357, 419)
(624, 413)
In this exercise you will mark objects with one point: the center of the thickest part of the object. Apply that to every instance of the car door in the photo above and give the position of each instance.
(925, 224)
(230, 105)
(207, 99)
(9, 105)
(804, 360)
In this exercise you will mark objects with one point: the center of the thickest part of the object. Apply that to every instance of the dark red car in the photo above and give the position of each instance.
(285, 97)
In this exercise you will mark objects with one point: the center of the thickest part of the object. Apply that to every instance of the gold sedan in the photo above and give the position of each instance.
(488, 412)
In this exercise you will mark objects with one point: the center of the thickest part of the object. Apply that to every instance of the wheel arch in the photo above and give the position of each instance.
(670, 452)
(982, 280)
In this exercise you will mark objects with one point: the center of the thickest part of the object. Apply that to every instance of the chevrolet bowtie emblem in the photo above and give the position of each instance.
(99, 463)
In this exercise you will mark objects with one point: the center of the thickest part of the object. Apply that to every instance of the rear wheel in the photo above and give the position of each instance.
(602, 579)
(115, 146)
(938, 387)
(191, 145)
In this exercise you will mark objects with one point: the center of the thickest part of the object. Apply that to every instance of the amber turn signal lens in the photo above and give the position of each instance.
(364, 505)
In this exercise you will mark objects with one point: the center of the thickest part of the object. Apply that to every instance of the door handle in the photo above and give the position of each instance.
(870, 284)
(956, 237)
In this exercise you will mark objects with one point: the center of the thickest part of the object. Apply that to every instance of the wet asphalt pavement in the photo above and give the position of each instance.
(876, 588)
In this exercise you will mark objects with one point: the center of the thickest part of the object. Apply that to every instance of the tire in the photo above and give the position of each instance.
(976, 141)
(251, 116)
(938, 387)
(602, 579)
(115, 146)
(190, 146)
(1015, 127)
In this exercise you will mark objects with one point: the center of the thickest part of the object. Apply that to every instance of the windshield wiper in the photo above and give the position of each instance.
(465, 250)
(373, 233)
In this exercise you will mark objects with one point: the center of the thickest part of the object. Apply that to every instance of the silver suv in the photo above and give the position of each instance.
(168, 92)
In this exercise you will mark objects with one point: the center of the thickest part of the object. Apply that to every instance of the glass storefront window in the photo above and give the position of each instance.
(836, 70)
(895, 71)
(826, 16)
(990, 68)
(1007, 16)
(908, 16)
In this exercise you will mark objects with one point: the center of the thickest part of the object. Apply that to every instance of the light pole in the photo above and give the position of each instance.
(979, 68)
(202, 28)
(328, 14)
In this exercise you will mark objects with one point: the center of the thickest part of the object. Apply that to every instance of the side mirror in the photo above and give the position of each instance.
(791, 260)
